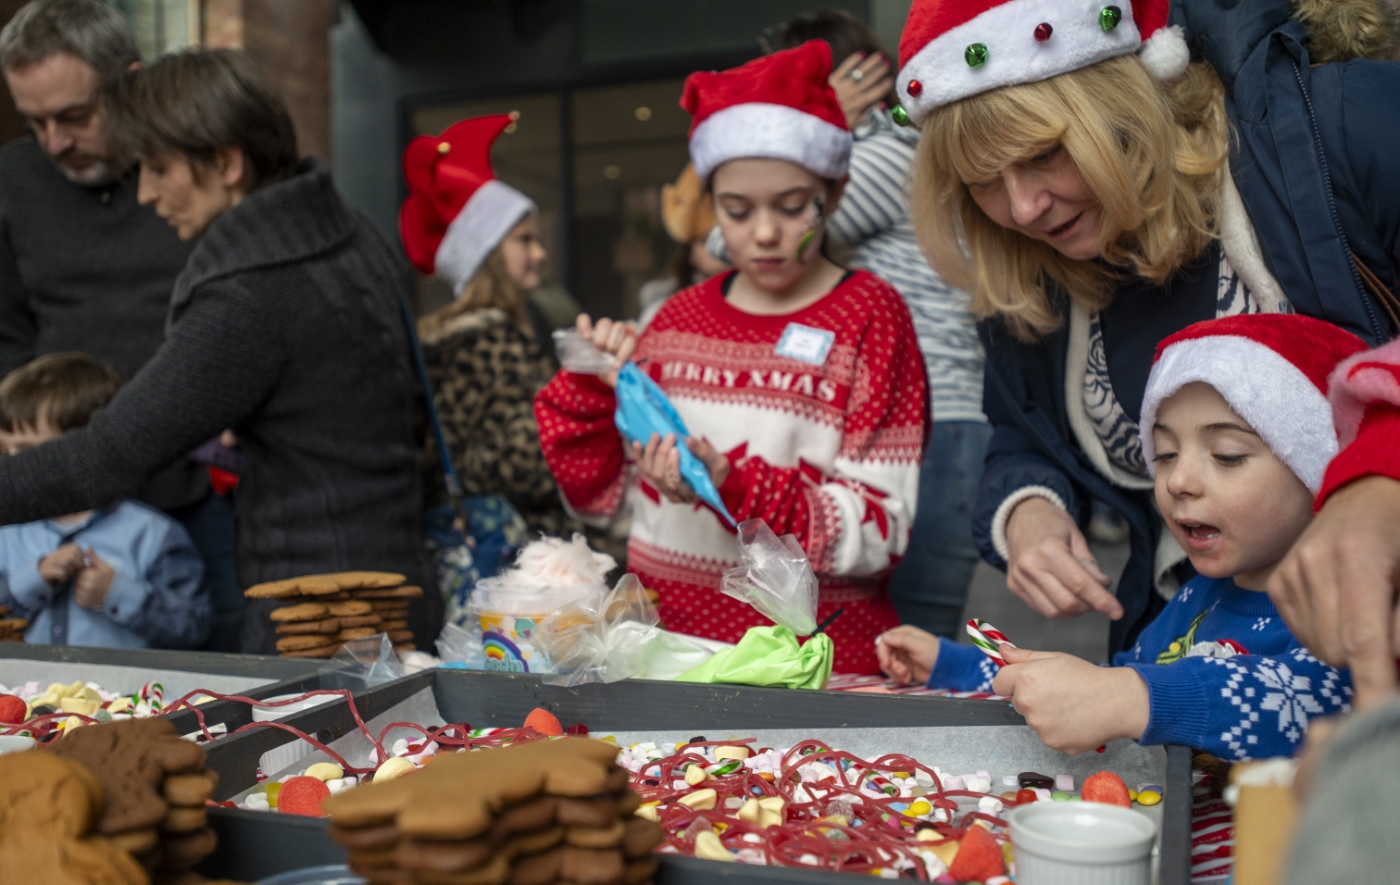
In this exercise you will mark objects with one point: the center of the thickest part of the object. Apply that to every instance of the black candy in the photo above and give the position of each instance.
(698, 739)
(1031, 780)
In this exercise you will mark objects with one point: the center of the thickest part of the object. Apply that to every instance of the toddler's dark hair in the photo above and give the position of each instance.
(63, 389)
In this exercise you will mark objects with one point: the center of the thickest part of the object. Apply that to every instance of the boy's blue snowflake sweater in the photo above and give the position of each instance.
(1223, 672)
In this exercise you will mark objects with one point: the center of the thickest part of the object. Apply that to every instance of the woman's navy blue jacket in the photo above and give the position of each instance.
(1316, 164)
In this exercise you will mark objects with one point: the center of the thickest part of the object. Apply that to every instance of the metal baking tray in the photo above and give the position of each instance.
(496, 699)
(179, 672)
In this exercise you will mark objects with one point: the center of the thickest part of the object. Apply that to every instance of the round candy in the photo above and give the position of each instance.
(302, 795)
(544, 722)
(325, 771)
(392, 768)
(12, 709)
(1149, 797)
(1025, 796)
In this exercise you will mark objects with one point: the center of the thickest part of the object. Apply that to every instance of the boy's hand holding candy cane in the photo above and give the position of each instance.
(1074, 706)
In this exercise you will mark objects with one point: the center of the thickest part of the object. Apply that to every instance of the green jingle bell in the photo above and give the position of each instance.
(1109, 17)
(900, 115)
(976, 54)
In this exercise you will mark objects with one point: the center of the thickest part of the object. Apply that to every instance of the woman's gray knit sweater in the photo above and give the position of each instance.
(285, 327)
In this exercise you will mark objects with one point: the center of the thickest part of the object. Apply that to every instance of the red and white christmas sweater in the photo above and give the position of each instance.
(828, 452)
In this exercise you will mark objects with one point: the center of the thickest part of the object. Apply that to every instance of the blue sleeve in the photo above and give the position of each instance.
(961, 668)
(169, 604)
(24, 591)
(1014, 461)
(1245, 707)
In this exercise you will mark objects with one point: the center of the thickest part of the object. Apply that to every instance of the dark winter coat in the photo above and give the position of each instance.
(87, 269)
(286, 327)
(1315, 166)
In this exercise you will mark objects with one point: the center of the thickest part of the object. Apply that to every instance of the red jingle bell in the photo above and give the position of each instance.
(1043, 32)
(915, 87)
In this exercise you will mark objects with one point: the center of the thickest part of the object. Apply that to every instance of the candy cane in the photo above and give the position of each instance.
(987, 638)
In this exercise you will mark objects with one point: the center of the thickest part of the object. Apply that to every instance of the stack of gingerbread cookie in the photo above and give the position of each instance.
(11, 629)
(319, 613)
(533, 814)
(154, 787)
(48, 806)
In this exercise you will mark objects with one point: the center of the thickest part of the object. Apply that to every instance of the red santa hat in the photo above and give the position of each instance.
(779, 106)
(1272, 369)
(457, 211)
(954, 49)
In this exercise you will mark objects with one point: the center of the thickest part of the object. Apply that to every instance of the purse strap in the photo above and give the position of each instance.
(449, 473)
(1379, 291)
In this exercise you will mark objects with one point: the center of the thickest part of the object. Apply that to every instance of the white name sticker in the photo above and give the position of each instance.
(805, 343)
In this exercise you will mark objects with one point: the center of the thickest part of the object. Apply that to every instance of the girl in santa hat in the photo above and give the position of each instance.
(1240, 433)
(800, 382)
(1097, 190)
(485, 352)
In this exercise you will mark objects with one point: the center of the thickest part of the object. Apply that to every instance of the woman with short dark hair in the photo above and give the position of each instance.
(286, 327)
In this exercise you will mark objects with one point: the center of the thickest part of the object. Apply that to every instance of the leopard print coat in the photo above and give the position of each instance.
(485, 372)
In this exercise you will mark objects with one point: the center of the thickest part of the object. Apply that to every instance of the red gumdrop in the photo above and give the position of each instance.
(12, 709)
(578, 729)
(979, 857)
(1106, 787)
(544, 722)
(1026, 796)
(303, 795)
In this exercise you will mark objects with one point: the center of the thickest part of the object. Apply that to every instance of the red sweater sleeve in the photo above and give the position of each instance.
(1365, 396)
(1374, 452)
(581, 442)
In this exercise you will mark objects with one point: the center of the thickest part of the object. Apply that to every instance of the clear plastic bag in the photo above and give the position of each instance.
(618, 637)
(363, 663)
(577, 354)
(775, 578)
(460, 646)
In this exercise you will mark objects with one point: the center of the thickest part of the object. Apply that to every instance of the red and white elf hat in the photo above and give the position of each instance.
(1272, 369)
(457, 211)
(954, 49)
(779, 106)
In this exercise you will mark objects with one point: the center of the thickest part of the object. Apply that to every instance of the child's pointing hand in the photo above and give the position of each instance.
(1074, 706)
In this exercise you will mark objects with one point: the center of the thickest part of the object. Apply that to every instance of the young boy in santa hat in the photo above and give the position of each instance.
(800, 382)
(1240, 434)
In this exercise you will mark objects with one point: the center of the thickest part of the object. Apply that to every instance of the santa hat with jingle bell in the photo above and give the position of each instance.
(779, 106)
(457, 211)
(954, 49)
(1272, 369)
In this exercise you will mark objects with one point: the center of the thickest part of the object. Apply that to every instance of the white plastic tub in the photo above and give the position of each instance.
(1081, 843)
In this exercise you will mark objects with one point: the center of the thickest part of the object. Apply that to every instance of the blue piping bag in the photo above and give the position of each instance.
(643, 409)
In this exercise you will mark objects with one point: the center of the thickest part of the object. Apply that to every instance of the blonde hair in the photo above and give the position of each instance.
(490, 286)
(1151, 154)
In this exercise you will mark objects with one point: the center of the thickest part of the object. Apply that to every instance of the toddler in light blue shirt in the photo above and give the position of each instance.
(122, 576)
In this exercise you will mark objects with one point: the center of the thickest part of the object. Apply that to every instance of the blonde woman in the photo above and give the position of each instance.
(1096, 193)
(486, 357)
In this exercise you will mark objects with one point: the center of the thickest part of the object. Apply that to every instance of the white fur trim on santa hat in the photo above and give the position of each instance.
(1166, 54)
(478, 229)
(1278, 400)
(1013, 53)
(758, 129)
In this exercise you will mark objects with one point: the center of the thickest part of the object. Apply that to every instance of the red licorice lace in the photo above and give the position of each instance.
(875, 835)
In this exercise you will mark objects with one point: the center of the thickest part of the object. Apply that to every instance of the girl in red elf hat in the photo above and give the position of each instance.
(485, 355)
(1099, 179)
(800, 382)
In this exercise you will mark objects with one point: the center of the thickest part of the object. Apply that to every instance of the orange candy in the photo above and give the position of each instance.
(303, 795)
(544, 722)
